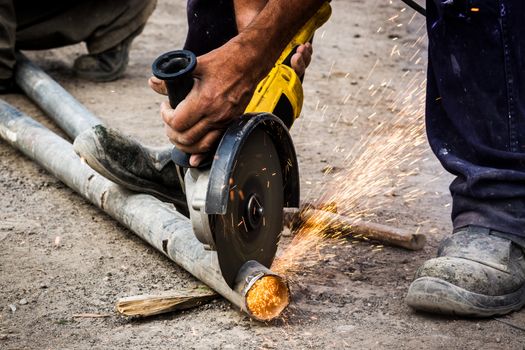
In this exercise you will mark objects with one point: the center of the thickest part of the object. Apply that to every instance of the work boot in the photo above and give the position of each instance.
(129, 164)
(105, 66)
(476, 274)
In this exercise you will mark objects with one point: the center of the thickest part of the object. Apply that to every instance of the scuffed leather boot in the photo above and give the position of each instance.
(475, 274)
(126, 162)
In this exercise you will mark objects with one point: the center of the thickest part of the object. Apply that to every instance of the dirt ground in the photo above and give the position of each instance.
(352, 298)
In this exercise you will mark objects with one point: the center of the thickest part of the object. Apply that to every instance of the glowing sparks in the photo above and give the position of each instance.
(377, 167)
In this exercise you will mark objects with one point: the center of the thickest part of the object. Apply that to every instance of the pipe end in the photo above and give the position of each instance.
(267, 297)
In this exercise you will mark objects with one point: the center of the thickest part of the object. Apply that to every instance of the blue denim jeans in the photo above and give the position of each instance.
(475, 112)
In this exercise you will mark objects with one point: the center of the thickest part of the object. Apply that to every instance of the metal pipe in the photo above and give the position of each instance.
(156, 222)
(69, 114)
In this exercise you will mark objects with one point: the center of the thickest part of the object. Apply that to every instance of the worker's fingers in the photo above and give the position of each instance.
(203, 145)
(196, 139)
(169, 116)
(204, 148)
(157, 85)
(301, 59)
(189, 136)
(307, 51)
(298, 64)
(196, 159)
(206, 143)
(183, 117)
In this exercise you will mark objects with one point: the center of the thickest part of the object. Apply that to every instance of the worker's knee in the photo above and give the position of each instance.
(148, 7)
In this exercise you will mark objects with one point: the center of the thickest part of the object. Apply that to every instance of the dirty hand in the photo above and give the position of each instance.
(300, 61)
(219, 95)
(221, 90)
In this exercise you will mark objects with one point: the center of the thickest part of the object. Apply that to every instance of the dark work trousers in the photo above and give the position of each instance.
(210, 25)
(38, 25)
(475, 111)
(475, 100)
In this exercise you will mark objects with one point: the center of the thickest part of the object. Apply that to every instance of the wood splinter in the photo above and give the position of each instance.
(149, 305)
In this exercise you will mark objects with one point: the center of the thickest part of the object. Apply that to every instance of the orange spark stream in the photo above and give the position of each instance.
(377, 167)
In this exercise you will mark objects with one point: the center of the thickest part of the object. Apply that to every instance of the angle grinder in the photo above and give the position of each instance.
(236, 199)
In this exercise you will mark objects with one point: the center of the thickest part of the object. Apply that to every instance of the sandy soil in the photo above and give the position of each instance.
(353, 296)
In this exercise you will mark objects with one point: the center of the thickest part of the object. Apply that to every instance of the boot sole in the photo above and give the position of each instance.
(148, 187)
(434, 295)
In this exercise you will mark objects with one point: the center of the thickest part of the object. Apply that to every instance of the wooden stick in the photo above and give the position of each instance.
(359, 229)
(149, 305)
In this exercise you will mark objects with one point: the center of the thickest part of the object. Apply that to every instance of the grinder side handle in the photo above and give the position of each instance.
(175, 68)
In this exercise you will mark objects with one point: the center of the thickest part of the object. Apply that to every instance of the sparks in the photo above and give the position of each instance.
(376, 167)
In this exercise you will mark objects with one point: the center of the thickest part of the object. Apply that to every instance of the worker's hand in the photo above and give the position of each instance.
(222, 89)
(300, 61)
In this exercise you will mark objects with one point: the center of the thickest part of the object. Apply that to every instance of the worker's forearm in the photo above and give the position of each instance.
(260, 44)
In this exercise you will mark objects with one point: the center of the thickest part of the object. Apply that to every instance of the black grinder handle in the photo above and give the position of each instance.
(175, 68)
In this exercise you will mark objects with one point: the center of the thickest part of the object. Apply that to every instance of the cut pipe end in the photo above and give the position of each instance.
(268, 297)
(265, 294)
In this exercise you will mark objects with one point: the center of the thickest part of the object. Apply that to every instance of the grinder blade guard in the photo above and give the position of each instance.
(254, 175)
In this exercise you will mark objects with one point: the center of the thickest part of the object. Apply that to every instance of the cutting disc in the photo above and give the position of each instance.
(252, 224)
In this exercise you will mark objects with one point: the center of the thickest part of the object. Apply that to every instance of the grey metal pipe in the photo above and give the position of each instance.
(156, 222)
(69, 114)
